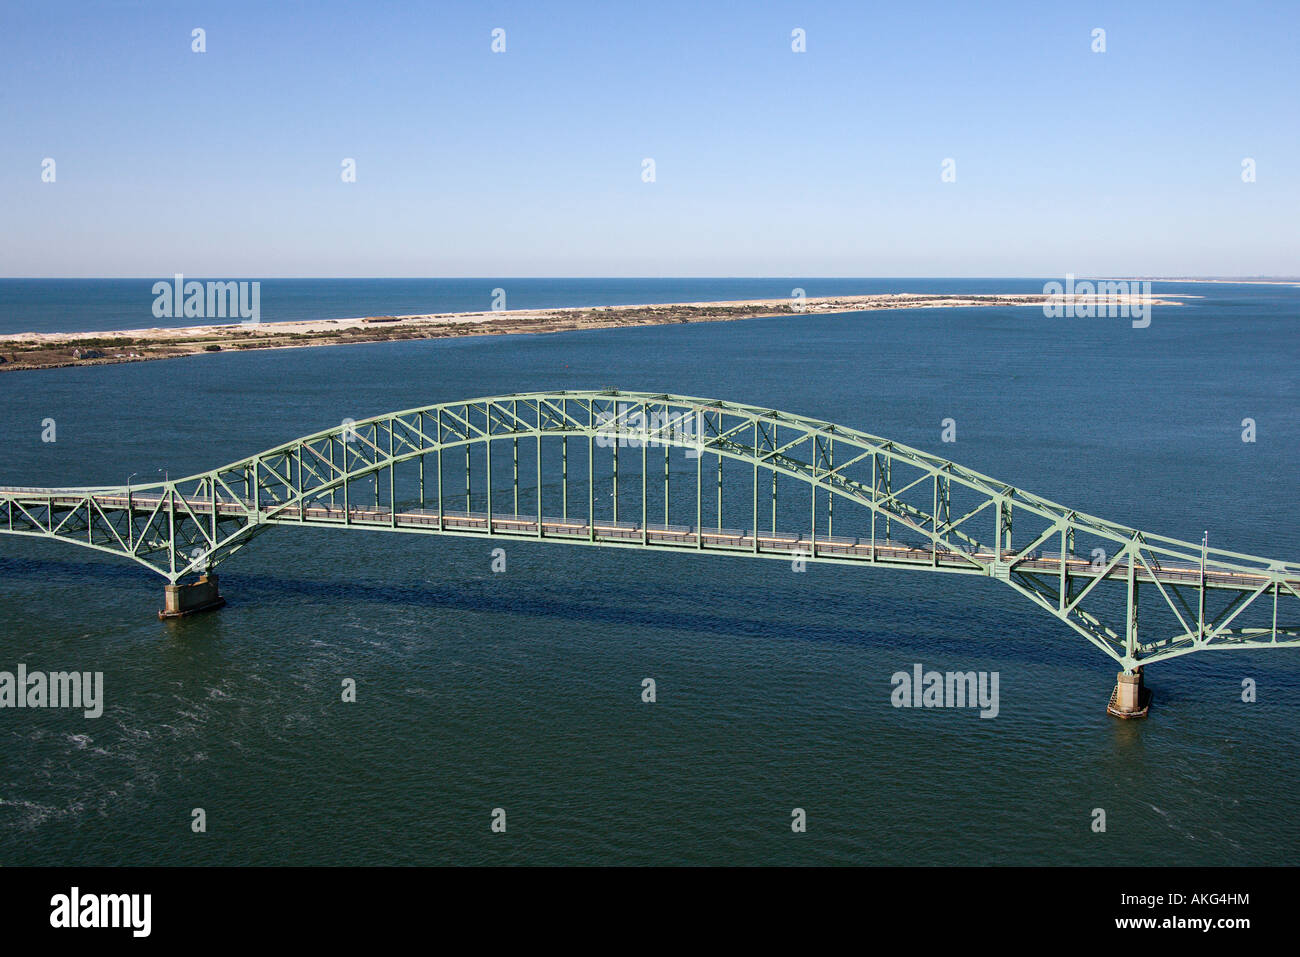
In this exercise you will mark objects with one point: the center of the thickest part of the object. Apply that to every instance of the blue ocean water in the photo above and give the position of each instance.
(522, 690)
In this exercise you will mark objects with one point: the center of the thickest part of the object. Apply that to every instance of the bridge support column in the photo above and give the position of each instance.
(1130, 699)
(182, 600)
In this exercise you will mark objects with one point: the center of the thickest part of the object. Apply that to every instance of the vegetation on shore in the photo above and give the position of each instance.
(108, 348)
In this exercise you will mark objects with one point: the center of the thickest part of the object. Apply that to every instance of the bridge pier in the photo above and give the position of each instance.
(183, 600)
(1130, 699)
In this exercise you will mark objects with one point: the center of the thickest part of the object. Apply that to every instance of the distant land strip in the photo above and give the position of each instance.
(36, 350)
(1254, 281)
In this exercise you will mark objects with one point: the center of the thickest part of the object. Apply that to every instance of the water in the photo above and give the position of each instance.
(522, 690)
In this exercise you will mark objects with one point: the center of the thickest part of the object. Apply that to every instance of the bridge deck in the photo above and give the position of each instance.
(683, 537)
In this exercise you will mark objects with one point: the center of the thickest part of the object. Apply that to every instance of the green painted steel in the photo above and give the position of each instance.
(896, 509)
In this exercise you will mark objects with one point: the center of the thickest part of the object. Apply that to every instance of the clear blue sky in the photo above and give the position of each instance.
(768, 162)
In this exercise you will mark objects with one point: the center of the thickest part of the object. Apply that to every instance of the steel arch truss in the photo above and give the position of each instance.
(672, 472)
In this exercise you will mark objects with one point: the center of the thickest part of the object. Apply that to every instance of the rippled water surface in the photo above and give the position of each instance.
(522, 690)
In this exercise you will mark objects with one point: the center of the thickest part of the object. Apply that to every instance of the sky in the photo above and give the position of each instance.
(531, 161)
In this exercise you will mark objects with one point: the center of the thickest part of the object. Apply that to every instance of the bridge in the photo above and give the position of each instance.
(677, 473)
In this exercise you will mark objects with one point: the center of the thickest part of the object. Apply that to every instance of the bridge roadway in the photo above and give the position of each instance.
(680, 537)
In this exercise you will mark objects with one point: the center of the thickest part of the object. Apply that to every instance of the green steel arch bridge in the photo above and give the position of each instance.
(677, 473)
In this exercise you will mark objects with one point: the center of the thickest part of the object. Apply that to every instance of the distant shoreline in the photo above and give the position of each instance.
(1230, 282)
(47, 350)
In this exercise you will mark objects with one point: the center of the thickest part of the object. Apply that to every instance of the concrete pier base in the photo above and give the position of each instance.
(1130, 699)
(182, 600)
